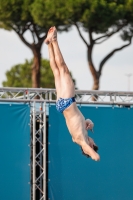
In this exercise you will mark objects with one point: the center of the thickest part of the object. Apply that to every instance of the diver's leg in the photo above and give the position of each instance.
(67, 89)
(52, 38)
(59, 58)
(54, 69)
(52, 60)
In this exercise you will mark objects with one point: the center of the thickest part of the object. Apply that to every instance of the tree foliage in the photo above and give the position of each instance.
(127, 32)
(50, 12)
(20, 75)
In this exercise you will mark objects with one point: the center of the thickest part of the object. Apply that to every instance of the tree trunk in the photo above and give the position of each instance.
(95, 83)
(36, 68)
(95, 74)
(93, 71)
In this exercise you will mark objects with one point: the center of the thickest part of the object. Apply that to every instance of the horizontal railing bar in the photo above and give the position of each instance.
(8, 94)
(2, 89)
(54, 101)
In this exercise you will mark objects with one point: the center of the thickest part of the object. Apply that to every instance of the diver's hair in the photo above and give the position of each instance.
(95, 149)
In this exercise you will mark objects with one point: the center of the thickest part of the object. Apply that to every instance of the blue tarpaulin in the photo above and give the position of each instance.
(14, 151)
(73, 176)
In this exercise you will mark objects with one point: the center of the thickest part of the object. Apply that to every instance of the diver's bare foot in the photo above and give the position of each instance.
(51, 36)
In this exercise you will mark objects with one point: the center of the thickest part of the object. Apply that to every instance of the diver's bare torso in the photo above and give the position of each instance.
(76, 123)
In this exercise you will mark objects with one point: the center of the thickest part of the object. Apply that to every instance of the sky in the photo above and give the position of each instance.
(114, 75)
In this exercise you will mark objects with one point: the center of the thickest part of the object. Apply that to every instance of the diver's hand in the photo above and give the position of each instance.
(95, 156)
(89, 125)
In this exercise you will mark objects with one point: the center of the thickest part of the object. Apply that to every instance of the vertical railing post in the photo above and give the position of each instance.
(34, 153)
(44, 151)
(41, 147)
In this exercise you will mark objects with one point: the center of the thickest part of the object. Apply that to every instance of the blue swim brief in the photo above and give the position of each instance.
(62, 104)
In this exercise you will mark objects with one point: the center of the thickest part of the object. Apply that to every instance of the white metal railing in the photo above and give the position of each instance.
(49, 95)
(38, 135)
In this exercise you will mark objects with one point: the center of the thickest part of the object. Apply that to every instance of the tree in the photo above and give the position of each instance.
(20, 75)
(17, 15)
(102, 17)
